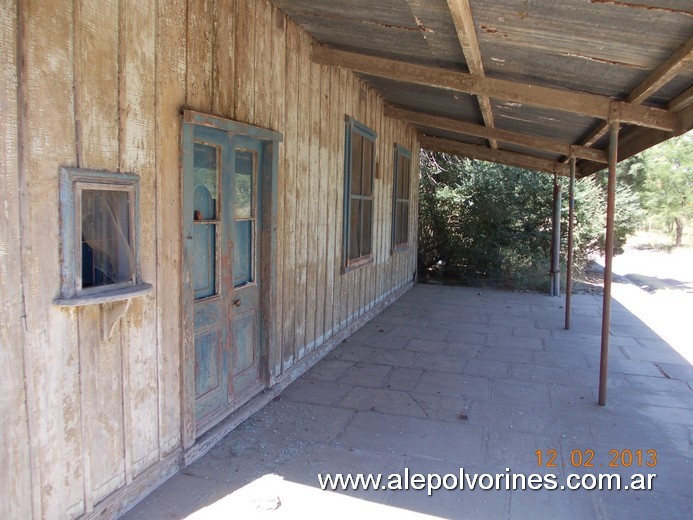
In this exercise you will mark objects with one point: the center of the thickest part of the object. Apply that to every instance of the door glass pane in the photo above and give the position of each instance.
(243, 253)
(205, 182)
(204, 261)
(243, 181)
(206, 207)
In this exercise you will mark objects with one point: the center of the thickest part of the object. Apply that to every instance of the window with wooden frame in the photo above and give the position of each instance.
(99, 217)
(359, 171)
(400, 198)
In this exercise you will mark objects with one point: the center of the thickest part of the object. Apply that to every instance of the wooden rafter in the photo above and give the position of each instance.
(466, 128)
(483, 153)
(466, 33)
(564, 100)
(678, 61)
(681, 101)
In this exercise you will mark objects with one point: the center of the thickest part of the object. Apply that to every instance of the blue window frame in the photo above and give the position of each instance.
(359, 173)
(400, 198)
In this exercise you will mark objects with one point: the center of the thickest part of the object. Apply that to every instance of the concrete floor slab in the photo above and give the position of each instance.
(439, 383)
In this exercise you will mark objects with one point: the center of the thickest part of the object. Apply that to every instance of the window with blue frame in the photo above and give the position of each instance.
(400, 198)
(359, 172)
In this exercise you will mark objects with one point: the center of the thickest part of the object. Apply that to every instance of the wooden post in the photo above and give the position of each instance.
(571, 223)
(556, 239)
(608, 260)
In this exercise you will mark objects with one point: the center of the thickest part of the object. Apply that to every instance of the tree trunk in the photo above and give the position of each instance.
(678, 223)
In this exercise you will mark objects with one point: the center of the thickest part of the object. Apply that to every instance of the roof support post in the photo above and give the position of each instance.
(556, 239)
(571, 223)
(608, 260)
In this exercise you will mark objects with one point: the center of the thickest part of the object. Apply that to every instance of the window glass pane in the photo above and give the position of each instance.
(243, 253)
(243, 202)
(204, 261)
(367, 176)
(406, 168)
(357, 142)
(107, 255)
(402, 225)
(366, 226)
(354, 245)
(205, 182)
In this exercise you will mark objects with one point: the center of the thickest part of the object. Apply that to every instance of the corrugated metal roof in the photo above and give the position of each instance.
(601, 47)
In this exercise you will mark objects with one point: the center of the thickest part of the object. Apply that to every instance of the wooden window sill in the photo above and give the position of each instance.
(105, 296)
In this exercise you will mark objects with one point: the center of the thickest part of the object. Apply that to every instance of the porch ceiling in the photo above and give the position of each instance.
(529, 78)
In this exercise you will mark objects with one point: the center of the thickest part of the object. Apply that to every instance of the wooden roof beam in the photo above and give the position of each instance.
(681, 101)
(466, 128)
(564, 100)
(659, 77)
(466, 33)
(483, 153)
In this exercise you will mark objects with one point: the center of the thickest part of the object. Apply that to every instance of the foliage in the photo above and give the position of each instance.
(667, 190)
(485, 222)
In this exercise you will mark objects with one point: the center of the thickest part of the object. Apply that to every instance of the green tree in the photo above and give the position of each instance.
(667, 192)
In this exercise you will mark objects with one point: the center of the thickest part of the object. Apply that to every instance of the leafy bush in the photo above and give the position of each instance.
(481, 222)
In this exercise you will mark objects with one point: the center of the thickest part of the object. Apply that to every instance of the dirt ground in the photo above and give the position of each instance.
(655, 282)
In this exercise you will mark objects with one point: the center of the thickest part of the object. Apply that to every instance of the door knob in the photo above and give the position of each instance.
(237, 302)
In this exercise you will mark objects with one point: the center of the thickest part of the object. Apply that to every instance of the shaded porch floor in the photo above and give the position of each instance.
(449, 378)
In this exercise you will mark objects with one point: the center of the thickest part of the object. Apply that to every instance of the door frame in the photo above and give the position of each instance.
(267, 341)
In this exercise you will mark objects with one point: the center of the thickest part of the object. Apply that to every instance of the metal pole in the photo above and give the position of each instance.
(557, 203)
(571, 223)
(608, 260)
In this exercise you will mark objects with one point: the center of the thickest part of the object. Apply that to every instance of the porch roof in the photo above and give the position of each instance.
(521, 83)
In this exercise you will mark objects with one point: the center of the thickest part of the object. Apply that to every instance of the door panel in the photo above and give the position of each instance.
(221, 200)
(246, 359)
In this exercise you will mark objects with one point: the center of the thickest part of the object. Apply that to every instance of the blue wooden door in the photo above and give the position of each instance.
(221, 197)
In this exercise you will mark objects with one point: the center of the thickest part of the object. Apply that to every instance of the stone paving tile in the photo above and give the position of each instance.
(427, 345)
(530, 332)
(507, 341)
(506, 354)
(393, 402)
(520, 392)
(487, 368)
(664, 356)
(316, 392)
(329, 370)
(562, 359)
(391, 434)
(539, 373)
(454, 385)
(366, 374)
(443, 408)
(441, 362)
(402, 378)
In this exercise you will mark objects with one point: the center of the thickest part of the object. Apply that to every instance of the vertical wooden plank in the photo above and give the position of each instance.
(225, 52)
(302, 200)
(331, 174)
(340, 80)
(15, 479)
(262, 63)
(321, 199)
(313, 173)
(96, 116)
(290, 147)
(46, 82)
(245, 60)
(170, 97)
(277, 122)
(137, 154)
(201, 60)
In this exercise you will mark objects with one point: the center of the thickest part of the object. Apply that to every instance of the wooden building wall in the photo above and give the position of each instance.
(101, 84)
